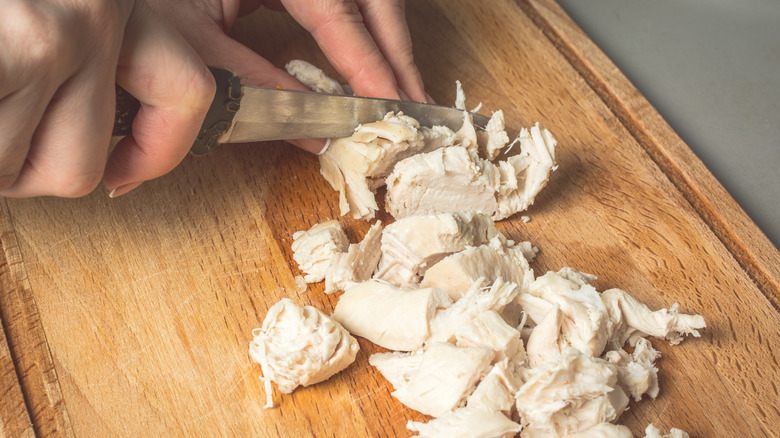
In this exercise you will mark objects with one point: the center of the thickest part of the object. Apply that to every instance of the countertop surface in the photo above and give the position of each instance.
(710, 67)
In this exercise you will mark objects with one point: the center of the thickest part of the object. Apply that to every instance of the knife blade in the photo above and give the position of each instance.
(243, 113)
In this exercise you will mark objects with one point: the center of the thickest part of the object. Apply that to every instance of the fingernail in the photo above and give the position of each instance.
(313, 145)
(430, 99)
(403, 95)
(121, 190)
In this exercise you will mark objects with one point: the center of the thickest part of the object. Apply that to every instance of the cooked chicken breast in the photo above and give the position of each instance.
(314, 249)
(637, 373)
(299, 346)
(357, 264)
(389, 316)
(467, 422)
(313, 77)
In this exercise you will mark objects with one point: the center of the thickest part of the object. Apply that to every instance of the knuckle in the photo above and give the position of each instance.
(7, 179)
(76, 185)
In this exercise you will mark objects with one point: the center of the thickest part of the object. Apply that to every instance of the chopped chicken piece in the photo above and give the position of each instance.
(412, 244)
(455, 178)
(299, 346)
(496, 392)
(466, 136)
(300, 284)
(460, 96)
(456, 273)
(584, 322)
(443, 378)
(357, 264)
(389, 316)
(467, 422)
(633, 320)
(601, 430)
(355, 165)
(314, 249)
(489, 330)
(396, 367)
(637, 372)
(313, 77)
(578, 277)
(544, 343)
(478, 299)
(494, 137)
(570, 395)
(653, 432)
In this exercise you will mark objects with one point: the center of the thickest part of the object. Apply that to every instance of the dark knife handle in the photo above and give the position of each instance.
(223, 108)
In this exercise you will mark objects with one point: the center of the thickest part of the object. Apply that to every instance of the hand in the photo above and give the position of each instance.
(367, 41)
(59, 61)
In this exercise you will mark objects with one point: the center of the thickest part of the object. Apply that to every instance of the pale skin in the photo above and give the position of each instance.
(60, 61)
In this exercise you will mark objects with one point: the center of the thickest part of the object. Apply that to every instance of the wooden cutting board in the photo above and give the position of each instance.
(132, 316)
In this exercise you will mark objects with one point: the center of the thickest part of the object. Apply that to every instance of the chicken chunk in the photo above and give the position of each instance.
(583, 322)
(357, 264)
(632, 320)
(602, 430)
(313, 77)
(456, 273)
(477, 299)
(496, 392)
(356, 165)
(467, 422)
(636, 371)
(389, 316)
(570, 395)
(412, 244)
(314, 249)
(494, 137)
(442, 379)
(653, 432)
(490, 331)
(455, 178)
(299, 346)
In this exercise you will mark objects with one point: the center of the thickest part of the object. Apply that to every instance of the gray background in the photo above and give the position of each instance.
(712, 69)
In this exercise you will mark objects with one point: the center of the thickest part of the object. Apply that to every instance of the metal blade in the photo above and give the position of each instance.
(273, 114)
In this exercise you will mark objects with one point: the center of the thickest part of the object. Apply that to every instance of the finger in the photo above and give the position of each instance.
(175, 89)
(20, 113)
(68, 151)
(386, 21)
(338, 28)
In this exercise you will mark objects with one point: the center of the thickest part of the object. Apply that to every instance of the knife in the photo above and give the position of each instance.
(243, 113)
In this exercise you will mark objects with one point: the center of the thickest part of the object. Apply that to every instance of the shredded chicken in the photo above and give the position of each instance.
(653, 432)
(443, 377)
(636, 371)
(467, 422)
(313, 249)
(456, 178)
(299, 346)
(357, 264)
(570, 395)
(412, 244)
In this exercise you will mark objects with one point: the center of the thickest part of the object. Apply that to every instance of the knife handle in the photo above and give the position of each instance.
(220, 115)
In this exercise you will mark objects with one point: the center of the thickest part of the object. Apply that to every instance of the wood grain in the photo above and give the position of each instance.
(132, 316)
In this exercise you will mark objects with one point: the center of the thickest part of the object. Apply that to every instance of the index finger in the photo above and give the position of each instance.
(338, 28)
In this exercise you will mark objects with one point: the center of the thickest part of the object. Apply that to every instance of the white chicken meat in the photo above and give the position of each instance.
(299, 346)
(467, 422)
(314, 249)
(357, 264)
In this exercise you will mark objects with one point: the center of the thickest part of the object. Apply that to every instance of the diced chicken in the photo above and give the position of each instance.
(632, 320)
(570, 395)
(358, 164)
(544, 343)
(357, 264)
(396, 367)
(584, 322)
(299, 346)
(602, 430)
(456, 273)
(443, 378)
(412, 244)
(314, 249)
(653, 432)
(389, 316)
(460, 96)
(494, 137)
(496, 392)
(455, 178)
(637, 373)
(313, 77)
(467, 422)
(478, 299)
(466, 136)
(490, 331)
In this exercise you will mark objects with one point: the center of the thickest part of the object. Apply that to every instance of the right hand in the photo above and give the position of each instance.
(59, 63)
